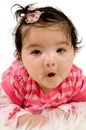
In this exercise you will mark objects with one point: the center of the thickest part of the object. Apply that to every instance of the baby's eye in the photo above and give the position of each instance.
(36, 52)
(60, 50)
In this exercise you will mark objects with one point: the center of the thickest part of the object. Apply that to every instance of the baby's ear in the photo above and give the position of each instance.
(19, 56)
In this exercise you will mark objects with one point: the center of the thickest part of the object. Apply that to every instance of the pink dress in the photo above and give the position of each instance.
(20, 94)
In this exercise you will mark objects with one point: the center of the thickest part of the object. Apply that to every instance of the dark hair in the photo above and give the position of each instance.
(50, 16)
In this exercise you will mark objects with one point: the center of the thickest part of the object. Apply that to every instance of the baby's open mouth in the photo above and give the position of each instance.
(51, 74)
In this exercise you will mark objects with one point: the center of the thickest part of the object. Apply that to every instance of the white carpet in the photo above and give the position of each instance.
(55, 123)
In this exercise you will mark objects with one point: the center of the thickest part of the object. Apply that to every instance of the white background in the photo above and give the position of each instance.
(74, 9)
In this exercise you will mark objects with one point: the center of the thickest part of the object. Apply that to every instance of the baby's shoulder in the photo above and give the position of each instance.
(76, 71)
(16, 70)
(16, 65)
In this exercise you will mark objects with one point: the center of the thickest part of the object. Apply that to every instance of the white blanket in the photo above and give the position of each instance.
(55, 123)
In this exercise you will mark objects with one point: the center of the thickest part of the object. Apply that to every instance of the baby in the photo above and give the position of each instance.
(43, 76)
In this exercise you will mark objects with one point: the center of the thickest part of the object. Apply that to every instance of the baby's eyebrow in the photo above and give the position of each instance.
(63, 43)
(33, 45)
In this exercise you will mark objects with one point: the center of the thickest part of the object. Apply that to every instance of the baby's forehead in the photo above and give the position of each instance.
(49, 34)
(47, 27)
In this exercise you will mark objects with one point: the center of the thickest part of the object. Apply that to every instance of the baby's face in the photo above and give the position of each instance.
(48, 56)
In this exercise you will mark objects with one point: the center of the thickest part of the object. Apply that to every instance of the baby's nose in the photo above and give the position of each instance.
(50, 60)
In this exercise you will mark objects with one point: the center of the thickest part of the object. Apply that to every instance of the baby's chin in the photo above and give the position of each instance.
(50, 87)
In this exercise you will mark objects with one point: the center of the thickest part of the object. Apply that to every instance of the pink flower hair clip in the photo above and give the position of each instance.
(33, 17)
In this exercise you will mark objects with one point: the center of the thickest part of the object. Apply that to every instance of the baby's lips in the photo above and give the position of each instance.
(51, 74)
